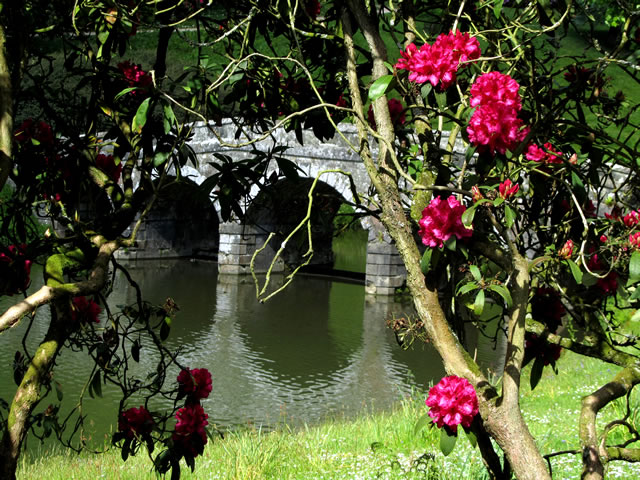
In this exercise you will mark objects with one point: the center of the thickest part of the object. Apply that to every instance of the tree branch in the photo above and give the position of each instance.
(95, 281)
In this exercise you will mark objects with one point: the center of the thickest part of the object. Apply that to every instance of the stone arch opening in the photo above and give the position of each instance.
(182, 223)
(280, 208)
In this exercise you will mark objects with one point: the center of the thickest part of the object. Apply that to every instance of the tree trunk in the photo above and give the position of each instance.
(29, 392)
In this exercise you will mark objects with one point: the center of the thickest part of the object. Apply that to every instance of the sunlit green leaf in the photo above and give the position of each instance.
(634, 267)
(140, 119)
(509, 215)
(422, 422)
(575, 270)
(447, 441)
(379, 87)
(503, 292)
(478, 304)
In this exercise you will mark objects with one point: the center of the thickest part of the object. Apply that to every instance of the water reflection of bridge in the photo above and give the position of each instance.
(320, 348)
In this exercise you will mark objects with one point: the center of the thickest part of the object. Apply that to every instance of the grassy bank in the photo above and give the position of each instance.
(373, 446)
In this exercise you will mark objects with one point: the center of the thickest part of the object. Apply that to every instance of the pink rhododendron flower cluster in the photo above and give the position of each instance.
(195, 383)
(438, 63)
(547, 308)
(135, 421)
(396, 111)
(495, 87)
(607, 285)
(452, 402)
(547, 154)
(536, 347)
(15, 269)
(107, 164)
(135, 75)
(85, 311)
(634, 240)
(495, 124)
(567, 250)
(30, 130)
(440, 220)
(190, 434)
(631, 219)
(312, 7)
(507, 189)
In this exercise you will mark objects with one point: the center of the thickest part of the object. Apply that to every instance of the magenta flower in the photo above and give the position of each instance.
(190, 434)
(543, 155)
(495, 87)
(609, 284)
(631, 219)
(15, 269)
(438, 63)
(30, 130)
(442, 219)
(495, 124)
(195, 383)
(496, 127)
(107, 164)
(507, 189)
(452, 402)
(85, 311)
(567, 250)
(135, 75)
(135, 421)
(547, 308)
(634, 240)
(535, 347)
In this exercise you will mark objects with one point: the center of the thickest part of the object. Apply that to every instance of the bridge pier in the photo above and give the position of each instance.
(237, 245)
(385, 269)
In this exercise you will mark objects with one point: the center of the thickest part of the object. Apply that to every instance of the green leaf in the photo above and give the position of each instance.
(467, 216)
(471, 437)
(425, 262)
(635, 317)
(124, 92)
(536, 372)
(447, 441)
(498, 8)
(450, 244)
(478, 304)
(422, 422)
(509, 215)
(426, 90)
(634, 267)
(160, 158)
(575, 270)
(503, 292)
(135, 351)
(169, 118)
(379, 87)
(102, 36)
(58, 391)
(96, 385)
(475, 271)
(467, 287)
(125, 449)
(441, 99)
(140, 118)
(165, 329)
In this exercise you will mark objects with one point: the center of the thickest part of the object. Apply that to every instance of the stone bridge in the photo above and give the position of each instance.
(181, 227)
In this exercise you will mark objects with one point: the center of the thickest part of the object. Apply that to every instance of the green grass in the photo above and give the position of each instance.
(373, 446)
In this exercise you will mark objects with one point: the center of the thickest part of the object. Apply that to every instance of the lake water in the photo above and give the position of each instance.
(319, 349)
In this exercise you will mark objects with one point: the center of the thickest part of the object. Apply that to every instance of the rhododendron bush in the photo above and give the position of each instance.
(502, 163)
